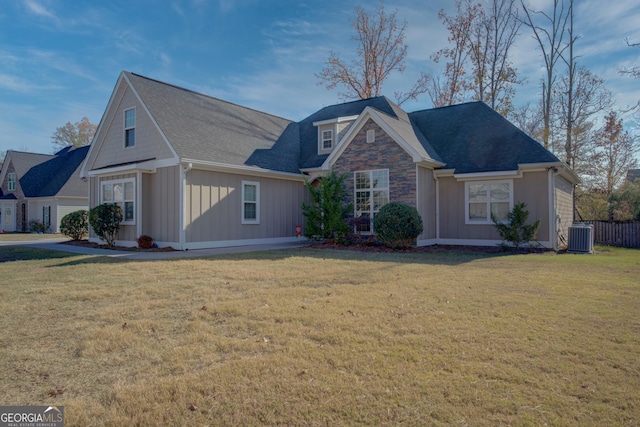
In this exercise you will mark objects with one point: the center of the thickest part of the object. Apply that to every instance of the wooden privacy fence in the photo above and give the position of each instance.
(625, 234)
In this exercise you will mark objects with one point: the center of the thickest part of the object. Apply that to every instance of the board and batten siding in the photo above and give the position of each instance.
(427, 203)
(110, 149)
(161, 205)
(532, 189)
(127, 232)
(214, 207)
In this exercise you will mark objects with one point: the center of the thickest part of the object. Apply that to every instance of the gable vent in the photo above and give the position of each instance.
(581, 238)
(371, 136)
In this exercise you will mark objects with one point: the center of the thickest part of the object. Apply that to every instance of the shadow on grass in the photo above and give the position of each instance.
(444, 257)
(25, 253)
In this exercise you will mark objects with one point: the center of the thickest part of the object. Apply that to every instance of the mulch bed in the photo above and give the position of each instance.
(88, 244)
(451, 249)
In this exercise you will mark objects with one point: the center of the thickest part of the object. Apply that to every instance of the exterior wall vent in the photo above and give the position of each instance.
(581, 238)
(371, 136)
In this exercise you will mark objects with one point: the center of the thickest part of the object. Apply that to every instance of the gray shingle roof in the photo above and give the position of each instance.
(468, 137)
(633, 175)
(472, 137)
(309, 157)
(200, 127)
(56, 176)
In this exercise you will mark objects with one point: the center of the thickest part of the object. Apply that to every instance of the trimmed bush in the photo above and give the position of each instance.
(397, 225)
(36, 226)
(105, 220)
(145, 242)
(74, 225)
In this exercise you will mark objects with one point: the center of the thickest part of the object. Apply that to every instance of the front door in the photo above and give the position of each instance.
(8, 217)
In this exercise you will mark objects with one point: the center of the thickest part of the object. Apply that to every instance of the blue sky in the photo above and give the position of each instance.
(60, 59)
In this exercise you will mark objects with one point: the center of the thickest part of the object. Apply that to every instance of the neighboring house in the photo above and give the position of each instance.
(194, 171)
(633, 175)
(43, 187)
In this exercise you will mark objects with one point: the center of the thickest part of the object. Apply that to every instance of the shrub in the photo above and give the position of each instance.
(397, 225)
(514, 230)
(74, 225)
(105, 220)
(326, 215)
(145, 242)
(36, 226)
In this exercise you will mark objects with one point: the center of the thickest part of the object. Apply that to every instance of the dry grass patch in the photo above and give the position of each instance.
(312, 337)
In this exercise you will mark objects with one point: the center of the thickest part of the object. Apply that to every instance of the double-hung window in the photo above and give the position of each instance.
(130, 127)
(327, 139)
(250, 202)
(121, 192)
(11, 181)
(484, 199)
(371, 193)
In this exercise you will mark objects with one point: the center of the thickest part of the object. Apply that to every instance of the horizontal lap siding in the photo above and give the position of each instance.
(564, 209)
(214, 207)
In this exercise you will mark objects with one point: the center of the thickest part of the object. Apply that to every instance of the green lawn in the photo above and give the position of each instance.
(322, 337)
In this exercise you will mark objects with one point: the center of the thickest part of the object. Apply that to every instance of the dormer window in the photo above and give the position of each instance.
(331, 131)
(327, 139)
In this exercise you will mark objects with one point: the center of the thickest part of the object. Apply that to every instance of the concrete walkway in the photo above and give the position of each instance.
(56, 245)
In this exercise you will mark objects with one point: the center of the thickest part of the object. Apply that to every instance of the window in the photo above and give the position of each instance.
(327, 139)
(250, 202)
(11, 181)
(121, 192)
(486, 198)
(371, 193)
(130, 127)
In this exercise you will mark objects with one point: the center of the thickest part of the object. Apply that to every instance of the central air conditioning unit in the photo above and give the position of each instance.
(581, 238)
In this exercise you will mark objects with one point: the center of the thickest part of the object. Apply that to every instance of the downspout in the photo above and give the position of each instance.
(553, 209)
(437, 180)
(183, 202)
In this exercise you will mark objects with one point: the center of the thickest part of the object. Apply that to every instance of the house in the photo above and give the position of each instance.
(194, 171)
(43, 187)
(633, 175)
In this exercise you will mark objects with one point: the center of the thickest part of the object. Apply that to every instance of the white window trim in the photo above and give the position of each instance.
(257, 202)
(321, 131)
(135, 119)
(487, 221)
(371, 212)
(11, 181)
(133, 200)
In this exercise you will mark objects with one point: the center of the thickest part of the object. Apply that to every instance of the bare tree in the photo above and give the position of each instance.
(381, 51)
(529, 119)
(482, 38)
(579, 96)
(633, 71)
(549, 31)
(79, 134)
(455, 86)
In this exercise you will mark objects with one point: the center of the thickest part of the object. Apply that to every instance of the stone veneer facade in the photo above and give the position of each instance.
(383, 153)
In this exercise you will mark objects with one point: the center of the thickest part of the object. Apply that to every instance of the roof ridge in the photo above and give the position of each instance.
(449, 106)
(206, 96)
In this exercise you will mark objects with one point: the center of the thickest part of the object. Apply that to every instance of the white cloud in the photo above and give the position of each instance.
(38, 9)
